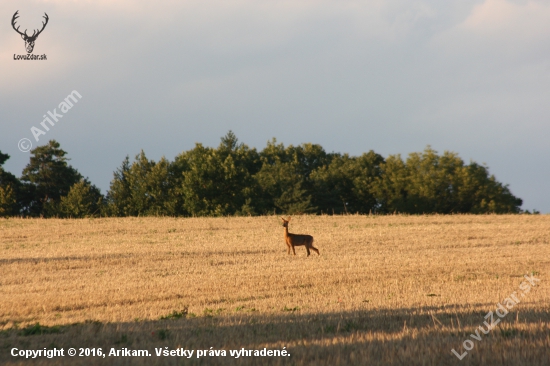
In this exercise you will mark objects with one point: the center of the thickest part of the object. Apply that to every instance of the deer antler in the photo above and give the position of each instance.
(43, 26)
(15, 16)
(35, 33)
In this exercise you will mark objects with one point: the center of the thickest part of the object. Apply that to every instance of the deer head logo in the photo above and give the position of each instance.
(29, 40)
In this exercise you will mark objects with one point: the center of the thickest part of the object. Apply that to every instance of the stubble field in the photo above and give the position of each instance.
(397, 290)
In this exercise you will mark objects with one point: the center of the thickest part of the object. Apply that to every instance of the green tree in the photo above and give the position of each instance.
(282, 190)
(141, 188)
(46, 179)
(83, 200)
(284, 180)
(8, 201)
(217, 182)
(344, 186)
(433, 182)
(429, 183)
(390, 188)
(482, 193)
(9, 190)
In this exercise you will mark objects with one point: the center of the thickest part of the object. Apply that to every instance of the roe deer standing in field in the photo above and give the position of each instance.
(295, 240)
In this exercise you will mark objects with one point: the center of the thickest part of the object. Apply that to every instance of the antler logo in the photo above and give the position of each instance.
(29, 40)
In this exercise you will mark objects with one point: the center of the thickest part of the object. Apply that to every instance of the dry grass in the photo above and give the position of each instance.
(385, 290)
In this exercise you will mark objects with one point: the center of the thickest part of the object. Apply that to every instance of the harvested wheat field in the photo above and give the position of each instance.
(385, 290)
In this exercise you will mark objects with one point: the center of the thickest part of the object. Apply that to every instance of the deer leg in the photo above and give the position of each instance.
(307, 249)
(293, 250)
(312, 247)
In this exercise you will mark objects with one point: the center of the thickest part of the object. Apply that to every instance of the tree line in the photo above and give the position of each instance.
(234, 179)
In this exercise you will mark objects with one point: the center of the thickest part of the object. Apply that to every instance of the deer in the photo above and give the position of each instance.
(29, 40)
(296, 240)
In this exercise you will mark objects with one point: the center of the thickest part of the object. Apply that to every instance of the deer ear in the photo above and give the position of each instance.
(288, 219)
(283, 219)
(22, 36)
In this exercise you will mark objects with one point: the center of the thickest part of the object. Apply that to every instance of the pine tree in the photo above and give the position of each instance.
(9, 190)
(83, 200)
(46, 179)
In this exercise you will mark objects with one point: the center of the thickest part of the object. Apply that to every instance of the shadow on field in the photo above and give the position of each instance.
(409, 336)
(157, 254)
(65, 258)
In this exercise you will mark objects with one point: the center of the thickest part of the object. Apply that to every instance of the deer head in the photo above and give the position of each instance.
(285, 221)
(29, 40)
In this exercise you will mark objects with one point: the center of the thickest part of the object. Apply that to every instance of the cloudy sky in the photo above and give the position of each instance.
(469, 76)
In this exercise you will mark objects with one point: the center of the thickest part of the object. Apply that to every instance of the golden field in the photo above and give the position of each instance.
(396, 290)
